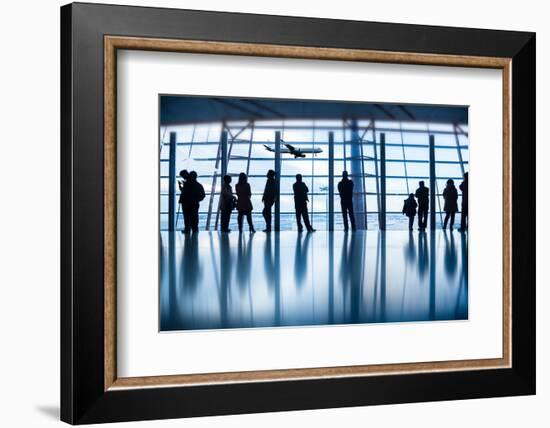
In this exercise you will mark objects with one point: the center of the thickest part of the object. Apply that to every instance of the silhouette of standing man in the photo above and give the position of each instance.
(300, 203)
(345, 189)
(227, 203)
(184, 200)
(268, 198)
(464, 211)
(423, 196)
(195, 193)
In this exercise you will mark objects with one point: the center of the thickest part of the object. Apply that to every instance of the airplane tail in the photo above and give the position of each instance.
(269, 149)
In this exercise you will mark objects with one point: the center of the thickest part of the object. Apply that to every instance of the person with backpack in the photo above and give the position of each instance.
(184, 200)
(195, 194)
(409, 209)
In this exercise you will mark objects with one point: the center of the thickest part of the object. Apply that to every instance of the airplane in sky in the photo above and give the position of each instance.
(297, 153)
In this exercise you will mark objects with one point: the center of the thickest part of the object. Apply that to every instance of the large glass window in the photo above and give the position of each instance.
(357, 148)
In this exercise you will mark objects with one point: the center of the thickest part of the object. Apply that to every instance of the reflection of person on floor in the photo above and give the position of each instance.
(301, 259)
(227, 203)
(244, 261)
(409, 209)
(345, 189)
(423, 196)
(226, 268)
(191, 263)
(450, 195)
(410, 250)
(450, 257)
(184, 200)
(464, 211)
(195, 193)
(300, 203)
(268, 198)
(244, 204)
(423, 256)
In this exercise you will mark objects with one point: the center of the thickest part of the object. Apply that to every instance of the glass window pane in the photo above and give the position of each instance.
(407, 157)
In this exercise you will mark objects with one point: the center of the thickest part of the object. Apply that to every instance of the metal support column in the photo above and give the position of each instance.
(224, 153)
(331, 181)
(459, 151)
(432, 276)
(356, 173)
(382, 181)
(383, 276)
(433, 189)
(215, 178)
(278, 181)
(376, 175)
(172, 183)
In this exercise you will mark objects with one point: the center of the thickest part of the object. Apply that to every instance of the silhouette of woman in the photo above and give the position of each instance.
(450, 195)
(244, 204)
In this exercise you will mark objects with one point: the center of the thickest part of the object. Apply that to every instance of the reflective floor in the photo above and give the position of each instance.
(214, 281)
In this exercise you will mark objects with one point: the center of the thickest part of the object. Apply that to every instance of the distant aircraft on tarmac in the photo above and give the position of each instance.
(297, 153)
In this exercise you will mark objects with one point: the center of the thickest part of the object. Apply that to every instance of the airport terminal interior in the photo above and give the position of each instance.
(381, 272)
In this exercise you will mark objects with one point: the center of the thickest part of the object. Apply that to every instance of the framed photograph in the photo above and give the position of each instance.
(265, 213)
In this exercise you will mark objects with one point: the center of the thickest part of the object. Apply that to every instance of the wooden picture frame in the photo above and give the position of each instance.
(91, 390)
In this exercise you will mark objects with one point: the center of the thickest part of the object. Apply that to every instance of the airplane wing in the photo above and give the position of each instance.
(290, 147)
(270, 149)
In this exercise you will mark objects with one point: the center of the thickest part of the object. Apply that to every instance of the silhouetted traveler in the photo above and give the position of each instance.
(268, 198)
(227, 203)
(244, 204)
(195, 193)
(423, 196)
(345, 189)
(300, 203)
(409, 209)
(451, 206)
(184, 200)
(464, 211)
